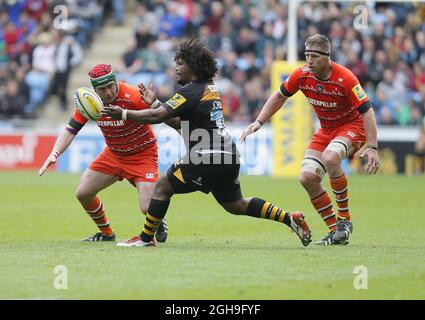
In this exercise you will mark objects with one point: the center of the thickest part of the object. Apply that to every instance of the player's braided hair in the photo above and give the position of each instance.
(198, 57)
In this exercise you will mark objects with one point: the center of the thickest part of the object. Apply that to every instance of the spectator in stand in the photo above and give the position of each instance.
(151, 66)
(36, 8)
(236, 20)
(419, 76)
(253, 96)
(14, 9)
(229, 64)
(11, 104)
(3, 54)
(215, 19)
(395, 90)
(43, 68)
(27, 25)
(368, 51)
(409, 53)
(172, 23)
(385, 108)
(13, 37)
(89, 14)
(24, 90)
(356, 66)
(68, 54)
(255, 20)
(420, 44)
(130, 63)
(231, 103)
(118, 6)
(246, 41)
(145, 26)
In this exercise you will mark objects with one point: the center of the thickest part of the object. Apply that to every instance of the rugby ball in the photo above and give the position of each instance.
(89, 103)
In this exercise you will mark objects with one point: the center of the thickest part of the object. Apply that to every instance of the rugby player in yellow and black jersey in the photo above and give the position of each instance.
(212, 160)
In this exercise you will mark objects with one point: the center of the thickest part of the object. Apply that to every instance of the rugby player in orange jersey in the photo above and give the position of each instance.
(130, 153)
(347, 123)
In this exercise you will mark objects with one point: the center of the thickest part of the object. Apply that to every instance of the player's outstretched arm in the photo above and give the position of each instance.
(371, 151)
(61, 144)
(148, 116)
(272, 105)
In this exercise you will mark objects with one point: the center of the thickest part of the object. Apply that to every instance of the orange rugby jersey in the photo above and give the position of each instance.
(336, 101)
(121, 137)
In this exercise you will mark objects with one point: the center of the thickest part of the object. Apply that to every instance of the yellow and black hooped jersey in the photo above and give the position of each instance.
(198, 104)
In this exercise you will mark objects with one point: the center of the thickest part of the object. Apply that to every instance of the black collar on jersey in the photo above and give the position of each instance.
(323, 53)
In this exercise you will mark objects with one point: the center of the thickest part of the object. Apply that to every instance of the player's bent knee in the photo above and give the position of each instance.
(236, 207)
(83, 195)
(144, 207)
(163, 189)
(337, 146)
(314, 166)
(305, 179)
(331, 161)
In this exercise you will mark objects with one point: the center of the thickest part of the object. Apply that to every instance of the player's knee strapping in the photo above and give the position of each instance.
(313, 165)
(338, 146)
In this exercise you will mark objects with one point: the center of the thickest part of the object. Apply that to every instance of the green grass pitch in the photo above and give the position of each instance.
(210, 254)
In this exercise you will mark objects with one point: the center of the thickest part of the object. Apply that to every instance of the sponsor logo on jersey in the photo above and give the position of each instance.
(216, 115)
(150, 175)
(123, 100)
(320, 103)
(176, 101)
(178, 162)
(351, 134)
(198, 181)
(359, 92)
(115, 123)
(213, 88)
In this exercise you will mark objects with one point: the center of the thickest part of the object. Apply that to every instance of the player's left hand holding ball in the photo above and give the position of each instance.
(113, 111)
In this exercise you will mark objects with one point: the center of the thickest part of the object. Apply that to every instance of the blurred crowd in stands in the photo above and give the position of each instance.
(40, 43)
(387, 55)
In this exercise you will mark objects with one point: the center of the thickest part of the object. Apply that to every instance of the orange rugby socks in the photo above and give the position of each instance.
(323, 206)
(97, 214)
(340, 189)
